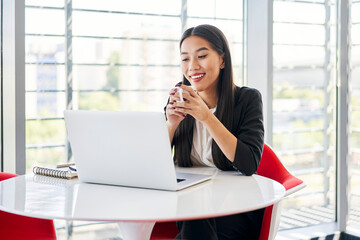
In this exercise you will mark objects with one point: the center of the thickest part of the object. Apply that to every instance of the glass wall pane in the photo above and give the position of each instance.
(303, 77)
(354, 135)
(355, 36)
(302, 34)
(40, 77)
(45, 104)
(48, 131)
(231, 29)
(35, 19)
(124, 100)
(125, 25)
(44, 156)
(45, 3)
(294, 12)
(232, 9)
(238, 75)
(45, 85)
(355, 9)
(229, 9)
(314, 1)
(355, 53)
(125, 77)
(142, 51)
(306, 56)
(41, 49)
(163, 7)
(304, 107)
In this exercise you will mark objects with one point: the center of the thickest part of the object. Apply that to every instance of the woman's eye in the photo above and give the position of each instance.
(203, 56)
(185, 59)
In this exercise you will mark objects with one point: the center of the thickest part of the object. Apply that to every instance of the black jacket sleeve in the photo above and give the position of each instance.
(249, 130)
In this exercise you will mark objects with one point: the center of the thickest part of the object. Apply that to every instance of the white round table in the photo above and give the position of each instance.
(137, 209)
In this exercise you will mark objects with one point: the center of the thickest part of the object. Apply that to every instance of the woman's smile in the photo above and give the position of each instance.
(197, 77)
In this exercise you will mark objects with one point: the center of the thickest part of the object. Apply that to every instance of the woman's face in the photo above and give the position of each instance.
(200, 63)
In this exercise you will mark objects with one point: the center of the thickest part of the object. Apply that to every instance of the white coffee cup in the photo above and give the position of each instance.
(180, 91)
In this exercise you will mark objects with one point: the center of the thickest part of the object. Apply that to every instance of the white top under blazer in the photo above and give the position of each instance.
(201, 154)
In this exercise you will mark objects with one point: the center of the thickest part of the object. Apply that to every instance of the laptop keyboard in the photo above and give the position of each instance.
(180, 180)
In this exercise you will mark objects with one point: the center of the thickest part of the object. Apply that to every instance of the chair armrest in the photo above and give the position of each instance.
(295, 189)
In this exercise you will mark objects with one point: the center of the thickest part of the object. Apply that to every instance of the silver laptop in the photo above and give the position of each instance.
(125, 148)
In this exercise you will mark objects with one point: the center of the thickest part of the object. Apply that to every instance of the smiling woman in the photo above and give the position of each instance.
(217, 125)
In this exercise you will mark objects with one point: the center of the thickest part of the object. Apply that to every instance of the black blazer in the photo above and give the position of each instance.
(248, 128)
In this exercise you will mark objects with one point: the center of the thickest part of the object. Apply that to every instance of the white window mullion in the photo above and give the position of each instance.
(342, 114)
(14, 85)
(259, 71)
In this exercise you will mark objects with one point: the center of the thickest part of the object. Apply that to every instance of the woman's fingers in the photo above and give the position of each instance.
(183, 110)
(171, 110)
(175, 95)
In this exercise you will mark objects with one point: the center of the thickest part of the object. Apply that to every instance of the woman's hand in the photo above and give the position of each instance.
(173, 117)
(193, 104)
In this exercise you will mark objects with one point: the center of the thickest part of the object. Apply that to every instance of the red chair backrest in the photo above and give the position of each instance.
(271, 167)
(4, 176)
(18, 227)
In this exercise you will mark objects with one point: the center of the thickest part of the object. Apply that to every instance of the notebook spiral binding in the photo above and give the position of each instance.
(51, 172)
(52, 181)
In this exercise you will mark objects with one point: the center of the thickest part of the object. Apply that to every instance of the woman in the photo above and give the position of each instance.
(218, 125)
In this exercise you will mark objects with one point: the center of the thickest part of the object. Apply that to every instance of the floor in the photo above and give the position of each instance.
(304, 217)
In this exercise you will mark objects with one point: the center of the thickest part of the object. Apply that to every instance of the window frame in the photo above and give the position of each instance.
(13, 86)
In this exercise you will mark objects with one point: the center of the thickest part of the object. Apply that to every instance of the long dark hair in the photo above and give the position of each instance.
(225, 104)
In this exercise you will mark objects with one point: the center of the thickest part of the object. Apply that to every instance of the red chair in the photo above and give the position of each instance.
(16, 227)
(270, 167)
(164, 230)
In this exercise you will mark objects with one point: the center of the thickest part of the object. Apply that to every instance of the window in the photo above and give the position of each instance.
(354, 134)
(107, 55)
(45, 78)
(304, 106)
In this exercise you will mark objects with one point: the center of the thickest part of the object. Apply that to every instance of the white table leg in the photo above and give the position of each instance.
(136, 230)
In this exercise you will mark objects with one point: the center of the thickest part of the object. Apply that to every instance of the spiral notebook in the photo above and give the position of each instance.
(64, 172)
